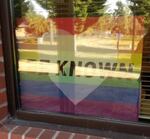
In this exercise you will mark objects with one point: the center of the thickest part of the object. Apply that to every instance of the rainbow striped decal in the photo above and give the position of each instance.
(92, 70)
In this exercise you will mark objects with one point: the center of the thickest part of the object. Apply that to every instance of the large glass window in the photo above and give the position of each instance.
(81, 57)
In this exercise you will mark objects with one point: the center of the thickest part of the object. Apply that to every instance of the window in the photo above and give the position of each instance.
(80, 58)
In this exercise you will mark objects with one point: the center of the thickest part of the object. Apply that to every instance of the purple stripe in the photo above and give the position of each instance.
(119, 111)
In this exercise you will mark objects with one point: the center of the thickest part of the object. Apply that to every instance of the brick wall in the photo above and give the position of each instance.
(24, 132)
(3, 97)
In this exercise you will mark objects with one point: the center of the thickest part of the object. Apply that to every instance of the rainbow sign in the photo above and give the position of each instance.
(84, 67)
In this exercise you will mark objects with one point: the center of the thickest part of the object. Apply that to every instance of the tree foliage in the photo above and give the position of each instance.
(120, 9)
(82, 8)
(86, 8)
(141, 8)
(37, 23)
(20, 7)
(119, 18)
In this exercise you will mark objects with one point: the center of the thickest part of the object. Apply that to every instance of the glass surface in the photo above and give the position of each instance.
(81, 57)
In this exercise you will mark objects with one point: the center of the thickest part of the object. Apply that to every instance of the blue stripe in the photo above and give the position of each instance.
(101, 93)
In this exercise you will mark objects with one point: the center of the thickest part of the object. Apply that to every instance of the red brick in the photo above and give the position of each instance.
(63, 135)
(3, 112)
(17, 134)
(33, 133)
(3, 133)
(1, 53)
(80, 136)
(2, 82)
(94, 137)
(1, 67)
(47, 134)
(5, 130)
(3, 98)
(3, 90)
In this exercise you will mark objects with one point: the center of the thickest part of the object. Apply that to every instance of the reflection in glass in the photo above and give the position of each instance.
(81, 57)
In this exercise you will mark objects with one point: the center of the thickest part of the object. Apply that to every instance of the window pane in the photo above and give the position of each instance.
(81, 57)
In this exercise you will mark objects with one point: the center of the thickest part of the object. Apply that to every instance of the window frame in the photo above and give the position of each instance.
(14, 105)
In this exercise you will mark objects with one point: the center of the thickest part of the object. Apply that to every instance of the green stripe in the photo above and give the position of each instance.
(28, 55)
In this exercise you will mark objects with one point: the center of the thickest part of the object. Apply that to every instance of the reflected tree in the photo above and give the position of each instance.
(84, 9)
(37, 23)
(141, 8)
(120, 9)
(20, 8)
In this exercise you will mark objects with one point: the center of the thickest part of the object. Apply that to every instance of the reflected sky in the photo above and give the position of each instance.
(38, 9)
(111, 5)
